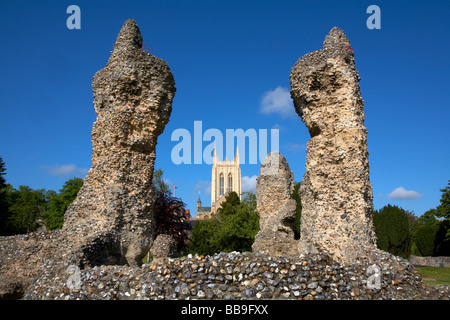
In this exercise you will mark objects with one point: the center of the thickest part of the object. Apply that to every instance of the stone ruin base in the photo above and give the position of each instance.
(30, 271)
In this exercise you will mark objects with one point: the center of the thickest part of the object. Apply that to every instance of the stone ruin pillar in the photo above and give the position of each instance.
(336, 192)
(110, 222)
(276, 208)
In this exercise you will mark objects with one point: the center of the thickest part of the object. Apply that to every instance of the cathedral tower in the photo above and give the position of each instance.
(225, 178)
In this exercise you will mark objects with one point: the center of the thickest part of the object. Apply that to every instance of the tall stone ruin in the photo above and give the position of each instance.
(110, 222)
(276, 208)
(335, 190)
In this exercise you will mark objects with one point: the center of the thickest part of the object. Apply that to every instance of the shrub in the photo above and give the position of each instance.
(233, 228)
(171, 218)
(425, 236)
(392, 230)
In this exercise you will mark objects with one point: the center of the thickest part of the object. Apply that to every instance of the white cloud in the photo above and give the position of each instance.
(277, 101)
(204, 186)
(402, 194)
(279, 127)
(248, 183)
(65, 170)
(295, 147)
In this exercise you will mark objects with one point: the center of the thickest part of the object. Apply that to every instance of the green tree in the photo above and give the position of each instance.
(429, 218)
(158, 183)
(414, 223)
(229, 206)
(58, 203)
(298, 210)
(443, 210)
(25, 209)
(238, 230)
(203, 239)
(249, 200)
(233, 228)
(425, 236)
(392, 230)
(442, 225)
(442, 239)
(4, 208)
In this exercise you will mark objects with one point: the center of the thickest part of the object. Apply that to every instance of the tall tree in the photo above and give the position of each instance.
(203, 238)
(58, 203)
(429, 218)
(425, 236)
(171, 218)
(229, 206)
(249, 199)
(158, 183)
(3, 203)
(392, 230)
(233, 228)
(25, 208)
(443, 210)
(442, 239)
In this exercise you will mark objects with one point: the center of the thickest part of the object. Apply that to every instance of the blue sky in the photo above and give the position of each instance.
(231, 62)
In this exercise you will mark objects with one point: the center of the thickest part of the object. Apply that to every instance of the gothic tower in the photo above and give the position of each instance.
(226, 177)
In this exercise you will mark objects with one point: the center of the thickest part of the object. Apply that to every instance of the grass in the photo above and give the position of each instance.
(435, 275)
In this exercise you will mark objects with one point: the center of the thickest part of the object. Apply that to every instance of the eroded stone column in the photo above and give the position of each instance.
(276, 207)
(336, 192)
(111, 219)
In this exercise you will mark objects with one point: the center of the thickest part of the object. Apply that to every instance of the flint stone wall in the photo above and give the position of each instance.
(236, 276)
(430, 261)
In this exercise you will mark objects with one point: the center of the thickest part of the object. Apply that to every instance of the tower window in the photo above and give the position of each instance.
(221, 184)
(230, 183)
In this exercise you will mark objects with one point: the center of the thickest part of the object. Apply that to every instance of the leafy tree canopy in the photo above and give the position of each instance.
(392, 230)
(58, 203)
(443, 210)
(233, 228)
(158, 183)
(25, 208)
(171, 218)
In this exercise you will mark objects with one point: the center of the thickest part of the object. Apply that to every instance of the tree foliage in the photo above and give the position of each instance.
(443, 210)
(233, 228)
(230, 205)
(158, 182)
(442, 239)
(429, 218)
(203, 238)
(58, 203)
(429, 235)
(433, 234)
(3, 203)
(425, 236)
(25, 209)
(171, 218)
(298, 210)
(392, 230)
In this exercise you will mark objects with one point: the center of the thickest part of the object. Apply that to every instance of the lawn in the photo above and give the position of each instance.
(435, 275)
